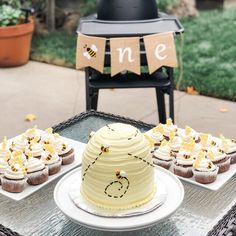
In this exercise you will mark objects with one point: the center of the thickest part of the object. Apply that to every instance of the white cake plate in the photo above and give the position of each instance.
(174, 197)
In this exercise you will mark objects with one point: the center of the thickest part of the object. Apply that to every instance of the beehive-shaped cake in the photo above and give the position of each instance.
(117, 168)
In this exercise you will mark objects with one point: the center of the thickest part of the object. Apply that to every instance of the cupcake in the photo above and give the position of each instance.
(168, 128)
(189, 134)
(19, 143)
(157, 135)
(204, 171)
(65, 151)
(183, 163)
(51, 159)
(14, 178)
(230, 148)
(17, 156)
(163, 156)
(37, 172)
(219, 158)
(3, 166)
(34, 148)
(207, 141)
(32, 134)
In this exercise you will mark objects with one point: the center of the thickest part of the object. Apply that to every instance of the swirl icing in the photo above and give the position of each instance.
(35, 148)
(49, 158)
(231, 146)
(4, 150)
(163, 153)
(3, 165)
(169, 127)
(185, 158)
(157, 137)
(31, 134)
(17, 156)
(14, 172)
(203, 164)
(117, 147)
(216, 154)
(175, 144)
(62, 147)
(19, 143)
(34, 164)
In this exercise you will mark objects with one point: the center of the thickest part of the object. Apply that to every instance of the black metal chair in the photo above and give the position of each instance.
(162, 80)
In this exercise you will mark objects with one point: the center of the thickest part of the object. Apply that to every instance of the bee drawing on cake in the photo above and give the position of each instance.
(105, 148)
(90, 52)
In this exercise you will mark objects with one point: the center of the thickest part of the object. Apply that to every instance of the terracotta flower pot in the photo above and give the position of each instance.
(15, 43)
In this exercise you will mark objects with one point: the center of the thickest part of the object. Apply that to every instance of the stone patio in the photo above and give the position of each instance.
(55, 94)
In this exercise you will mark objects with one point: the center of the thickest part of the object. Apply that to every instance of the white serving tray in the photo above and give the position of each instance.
(78, 147)
(220, 181)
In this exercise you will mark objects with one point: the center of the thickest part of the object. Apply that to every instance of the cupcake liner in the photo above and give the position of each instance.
(68, 159)
(162, 163)
(13, 186)
(223, 166)
(233, 157)
(38, 177)
(205, 177)
(1, 175)
(54, 168)
(183, 171)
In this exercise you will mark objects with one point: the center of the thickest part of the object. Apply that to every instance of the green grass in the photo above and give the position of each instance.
(209, 53)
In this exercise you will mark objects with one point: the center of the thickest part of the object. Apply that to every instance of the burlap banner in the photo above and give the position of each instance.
(90, 52)
(160, 51)
(125, 55)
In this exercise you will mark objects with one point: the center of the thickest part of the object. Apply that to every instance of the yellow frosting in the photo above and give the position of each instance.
(117, 168)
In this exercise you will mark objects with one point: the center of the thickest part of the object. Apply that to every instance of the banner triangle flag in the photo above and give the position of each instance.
(90, 52)
(125, 55)
(160, 51)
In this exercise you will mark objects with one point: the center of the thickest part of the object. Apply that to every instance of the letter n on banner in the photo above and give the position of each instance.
(160, 51)
(125, 55)
(90, 52)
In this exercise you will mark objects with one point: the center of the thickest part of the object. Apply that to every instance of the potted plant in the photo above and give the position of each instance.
(16, 30)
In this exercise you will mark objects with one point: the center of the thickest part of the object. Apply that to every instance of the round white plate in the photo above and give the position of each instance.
(175, 195)
(158, 199)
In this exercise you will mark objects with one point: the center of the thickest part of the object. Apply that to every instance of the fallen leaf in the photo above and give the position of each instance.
(191, 90)
(224, 110)
(30, 117)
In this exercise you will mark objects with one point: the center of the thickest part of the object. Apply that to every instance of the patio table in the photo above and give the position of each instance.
(202, 212)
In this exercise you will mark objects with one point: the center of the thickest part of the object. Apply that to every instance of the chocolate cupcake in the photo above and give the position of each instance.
(51, 159)
(37, 172)
(204, 171)
(162, 156)
(229, 146)
(35, 149)
(14, 179)
(157, 135)
(65, 151)
(219, 158)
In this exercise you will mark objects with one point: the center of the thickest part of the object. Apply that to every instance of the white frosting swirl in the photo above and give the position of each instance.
(15, 172)
(48, 158)
(34, 164)
(3, 165)
(184, 158)
(168, 129)
(19, 143)
(157, 137)
(62, 147)
(48, 138)
(163, 153)
(5, 153)
(204, 165)
(175, 144)
(22, 158)
(35, 148)
(217, 152)
(30, 134)
(231, 146)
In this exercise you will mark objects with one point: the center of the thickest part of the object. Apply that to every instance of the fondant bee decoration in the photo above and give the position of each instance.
(213, 143)
(4, 143)
(105, 148)
(49, 148)
(91, 52)
(63, 148)
(120, 174)
(159, 129)
(233, 140)
(169, 122)
(49, 157)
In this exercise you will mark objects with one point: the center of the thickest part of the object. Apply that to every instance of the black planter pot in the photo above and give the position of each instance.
(126, 10)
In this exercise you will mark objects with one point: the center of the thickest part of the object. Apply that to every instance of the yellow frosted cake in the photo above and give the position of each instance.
(117, 168)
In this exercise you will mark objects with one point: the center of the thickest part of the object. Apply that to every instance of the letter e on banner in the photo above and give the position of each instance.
(160, 51)
(125, 55)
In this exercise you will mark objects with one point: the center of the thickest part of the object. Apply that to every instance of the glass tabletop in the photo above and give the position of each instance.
(38, 214)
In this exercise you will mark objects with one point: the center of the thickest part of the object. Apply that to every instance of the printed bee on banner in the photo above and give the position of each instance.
(90, 52)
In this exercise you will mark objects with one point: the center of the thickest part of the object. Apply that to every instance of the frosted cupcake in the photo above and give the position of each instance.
(32, 134)
(230, 148)
(37, 172)
(183, 164)
(51, 159)
(157, 135)
(205, 172)
(17, 156)
(3, 166)
(162, 156)
(65, 151)
(168, 128)
(14, 179)
(4, 149)
(175, 142)
(219, 158)
(19, 143)
(34, 148)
